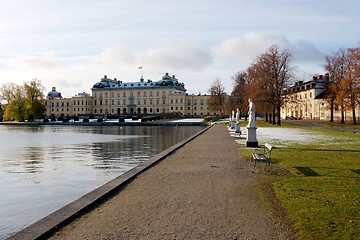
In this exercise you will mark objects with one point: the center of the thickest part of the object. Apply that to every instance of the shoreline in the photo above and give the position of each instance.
(154, 123)
(48, 225)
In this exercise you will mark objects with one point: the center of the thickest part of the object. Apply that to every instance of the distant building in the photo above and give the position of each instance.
(166, 96)
(307, 100)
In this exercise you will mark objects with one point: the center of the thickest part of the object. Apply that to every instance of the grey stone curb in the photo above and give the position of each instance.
(45, 227)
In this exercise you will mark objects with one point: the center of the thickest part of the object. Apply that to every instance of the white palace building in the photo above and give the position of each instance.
(114, 97)
(307, 100)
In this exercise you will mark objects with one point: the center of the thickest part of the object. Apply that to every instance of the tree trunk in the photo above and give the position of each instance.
(266, 117)
(354, 115)
(278, 116)
(270, 118)
(342, 117)
(332, 112)
(274, 118)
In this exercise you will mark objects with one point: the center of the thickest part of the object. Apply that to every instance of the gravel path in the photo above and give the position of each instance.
(202, 191)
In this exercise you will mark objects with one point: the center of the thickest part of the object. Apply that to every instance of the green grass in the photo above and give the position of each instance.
(321, 193)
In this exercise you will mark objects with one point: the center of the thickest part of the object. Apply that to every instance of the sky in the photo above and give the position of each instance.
(72, 44)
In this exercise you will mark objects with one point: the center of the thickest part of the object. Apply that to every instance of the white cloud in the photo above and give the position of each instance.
(46, 61)
(115, 55)
(179, 58)
(244, 50)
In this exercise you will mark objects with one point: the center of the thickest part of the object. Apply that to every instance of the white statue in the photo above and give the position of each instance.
(237, 119)
(251, 112)
(237, 115)
(232, 126)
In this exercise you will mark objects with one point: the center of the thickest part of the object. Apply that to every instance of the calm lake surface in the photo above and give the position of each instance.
(43, 168)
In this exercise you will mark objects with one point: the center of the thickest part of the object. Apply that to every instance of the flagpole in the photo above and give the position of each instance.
(142, 74)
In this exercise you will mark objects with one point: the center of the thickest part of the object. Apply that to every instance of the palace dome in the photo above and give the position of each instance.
(54, 94)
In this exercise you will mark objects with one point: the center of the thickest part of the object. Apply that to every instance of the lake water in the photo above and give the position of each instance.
(43, 168)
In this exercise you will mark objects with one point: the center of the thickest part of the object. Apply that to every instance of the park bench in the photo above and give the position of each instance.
(262, 155)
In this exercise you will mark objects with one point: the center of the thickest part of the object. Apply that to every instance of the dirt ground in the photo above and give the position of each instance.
(205, 190)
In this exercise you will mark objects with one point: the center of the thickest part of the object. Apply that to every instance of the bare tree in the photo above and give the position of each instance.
(217, 98)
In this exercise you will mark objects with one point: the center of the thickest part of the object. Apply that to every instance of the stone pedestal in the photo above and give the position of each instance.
(232, 125)
(237, 128)
(251, 140)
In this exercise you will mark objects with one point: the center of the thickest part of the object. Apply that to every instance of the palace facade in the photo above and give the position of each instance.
(307, 100)
(114, 97)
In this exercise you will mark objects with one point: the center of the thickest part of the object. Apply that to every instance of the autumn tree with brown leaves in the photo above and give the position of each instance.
(343, 84)
(352, 80)
(239, 94)
(270, 74)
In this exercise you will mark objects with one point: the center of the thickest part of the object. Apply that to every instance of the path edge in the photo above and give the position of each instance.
(47, 226)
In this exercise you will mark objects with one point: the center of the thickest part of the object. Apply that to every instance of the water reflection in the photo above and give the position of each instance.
(45, 167)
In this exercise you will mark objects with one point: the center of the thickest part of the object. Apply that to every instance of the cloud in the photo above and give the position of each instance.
(304, 51)
(46, 61)
(179, 58)
(115, 55)
(245, 49)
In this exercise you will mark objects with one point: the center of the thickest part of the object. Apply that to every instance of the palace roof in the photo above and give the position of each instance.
(166, 81)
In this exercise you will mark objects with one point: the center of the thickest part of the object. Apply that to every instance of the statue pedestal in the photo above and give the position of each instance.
(232, 125)
(251, 140)
(237, 128)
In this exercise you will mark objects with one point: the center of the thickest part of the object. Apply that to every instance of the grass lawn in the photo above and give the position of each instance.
(321, 193)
